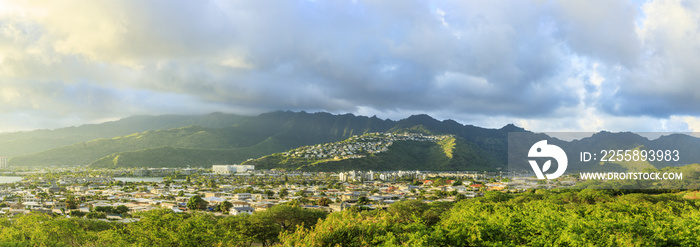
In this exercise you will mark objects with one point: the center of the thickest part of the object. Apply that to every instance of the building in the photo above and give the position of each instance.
(240, 204)
(241, 210)
(242, 196)
(337, 207)
(228, 169)
(356, 176)
(3, 162)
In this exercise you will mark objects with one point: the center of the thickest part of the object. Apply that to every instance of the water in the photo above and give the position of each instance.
(143, 179)
(7, 180)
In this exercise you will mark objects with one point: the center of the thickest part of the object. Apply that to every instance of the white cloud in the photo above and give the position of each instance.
(551, 65)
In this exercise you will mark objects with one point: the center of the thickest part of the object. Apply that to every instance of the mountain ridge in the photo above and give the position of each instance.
(27, 142)
(237, 140)
(232, 139)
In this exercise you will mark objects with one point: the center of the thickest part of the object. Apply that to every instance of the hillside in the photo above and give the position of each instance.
(368, 152)
(235, 139)
(239, 142)
(193, 137)
(228, 139)
(27, 142)
(185, 157)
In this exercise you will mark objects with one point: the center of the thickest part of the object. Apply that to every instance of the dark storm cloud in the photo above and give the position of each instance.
(491, 59)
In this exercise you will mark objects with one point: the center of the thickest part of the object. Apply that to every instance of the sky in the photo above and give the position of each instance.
(581, 65)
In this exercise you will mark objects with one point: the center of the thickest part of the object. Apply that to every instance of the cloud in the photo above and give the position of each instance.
(488, 62)
(600, 29)
(664, 81)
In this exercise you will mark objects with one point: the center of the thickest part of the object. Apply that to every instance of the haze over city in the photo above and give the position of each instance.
(542, 65)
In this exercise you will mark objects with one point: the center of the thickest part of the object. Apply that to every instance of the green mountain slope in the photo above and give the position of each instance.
(453, 153)
(226, 139)
(23, 143)
(194, 137)
(288, 129)
(185, 157)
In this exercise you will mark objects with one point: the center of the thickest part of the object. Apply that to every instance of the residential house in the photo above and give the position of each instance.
(240, 204)
(337, 207)
(241, 210)
(242, 196)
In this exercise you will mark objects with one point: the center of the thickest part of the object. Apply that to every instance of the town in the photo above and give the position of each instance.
(359, 146)
(114, 194)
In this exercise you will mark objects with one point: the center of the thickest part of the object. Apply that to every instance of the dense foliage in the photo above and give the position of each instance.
(590, 217)
(541, 218)
(158, 228)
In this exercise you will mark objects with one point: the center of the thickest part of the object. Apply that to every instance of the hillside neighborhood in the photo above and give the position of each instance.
(359, 146)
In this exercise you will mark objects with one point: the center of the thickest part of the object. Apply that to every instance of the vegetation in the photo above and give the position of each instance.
(197, 203)
(180, 157)
(542, 218)
(23, 143)
(535, 218)
(250, 137)
(222, 139)
(157, 228)
(402, 155)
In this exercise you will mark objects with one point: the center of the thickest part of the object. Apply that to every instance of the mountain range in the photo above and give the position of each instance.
(218, 138)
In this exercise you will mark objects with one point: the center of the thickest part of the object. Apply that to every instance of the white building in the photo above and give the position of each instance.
(356, 176)
(3, 162)
(242, 196)
(228, 169)
(241, 210)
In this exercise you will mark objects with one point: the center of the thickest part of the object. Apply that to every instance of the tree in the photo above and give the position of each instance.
(261, 228)
(405, 210)
(71, 203)
(460, 197)
(323, 201)
(269, 193)
(76, 213)
(181, 193)
(225, 206)
(363, 200)
(289, 217)
(121, 209)
(439, 182)
(43, 196)
(197, 203)
(284, 193)
(494, 196)
(105, 209)
(96, 215)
